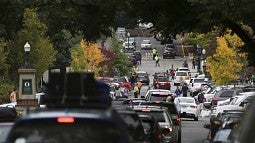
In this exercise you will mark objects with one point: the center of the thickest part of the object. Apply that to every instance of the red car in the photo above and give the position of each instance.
(162, 83)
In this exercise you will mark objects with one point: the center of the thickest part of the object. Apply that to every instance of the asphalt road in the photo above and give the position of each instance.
(192, 131)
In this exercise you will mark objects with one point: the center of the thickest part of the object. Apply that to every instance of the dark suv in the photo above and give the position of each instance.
(161, 114)
(133, 124)
(70, 125)
(172, 111)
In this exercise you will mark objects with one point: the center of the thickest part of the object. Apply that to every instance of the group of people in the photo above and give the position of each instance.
(183, 90)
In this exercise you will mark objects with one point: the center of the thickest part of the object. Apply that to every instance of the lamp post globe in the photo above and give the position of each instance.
(27, 50)
(203, 51)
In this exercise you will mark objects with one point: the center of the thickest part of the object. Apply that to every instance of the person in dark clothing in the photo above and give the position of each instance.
(133, 80)
(201, 97)
(185, 64)
(193, 63)
(185, 90)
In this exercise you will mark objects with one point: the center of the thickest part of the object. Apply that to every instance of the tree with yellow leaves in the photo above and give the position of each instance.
(86, 57)
(226, 64)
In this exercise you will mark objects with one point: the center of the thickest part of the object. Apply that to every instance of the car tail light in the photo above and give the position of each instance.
(179, 119)
(65, 119)
(146, 110)
(170, 129)
(193, 106)
(215, 99)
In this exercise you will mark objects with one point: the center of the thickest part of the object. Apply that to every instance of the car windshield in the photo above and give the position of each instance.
(94, 131)
(159, 97)
(142, 74)
(199, 80)
(186, 100)
(181, 74)
(159, 116)
(162, 79)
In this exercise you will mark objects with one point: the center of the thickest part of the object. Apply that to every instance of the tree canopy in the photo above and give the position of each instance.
(226, 64)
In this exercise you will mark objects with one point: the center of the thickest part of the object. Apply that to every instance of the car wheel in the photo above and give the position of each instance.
(196, 119)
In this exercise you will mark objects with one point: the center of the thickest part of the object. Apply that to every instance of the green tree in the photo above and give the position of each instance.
(42, 53)
(225, 65)
(120, 61)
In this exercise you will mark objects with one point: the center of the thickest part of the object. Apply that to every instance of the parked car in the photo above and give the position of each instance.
(128, 46)
(70, 125)
(169, 53)
(143, 77)
(187, 107)
(164, 119)
(237, 103)
(224, 94)
(146, 44)
(244, 131)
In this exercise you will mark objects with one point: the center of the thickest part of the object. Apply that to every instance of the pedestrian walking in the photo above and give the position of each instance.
(13, 96)
(135, 69)
(185, 90)
(185, 64)
(193, 63)
(178, 91)
(139, 85)
(154, 53)
(133, 80)
(157, 61)
(136, 91)
(172, 73)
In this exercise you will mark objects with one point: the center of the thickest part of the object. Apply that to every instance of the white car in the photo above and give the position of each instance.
(239, 102)
(146, 45)
(128, 46)
(195, 84)
(182, 76)
(188, 107)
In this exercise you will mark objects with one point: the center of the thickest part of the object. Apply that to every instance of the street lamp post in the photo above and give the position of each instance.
(204, 61)
(198, 58)
(128, 35)
(27, 50)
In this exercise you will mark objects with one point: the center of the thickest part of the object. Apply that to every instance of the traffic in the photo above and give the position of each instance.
(108, 110)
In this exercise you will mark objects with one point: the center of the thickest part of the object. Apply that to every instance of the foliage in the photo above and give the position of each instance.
(225, 65)
(42, 53)
(120, 62)
(5, 89)
(86, 57)
(3, 55)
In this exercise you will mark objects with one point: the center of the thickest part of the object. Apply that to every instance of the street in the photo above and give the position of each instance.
(192, 131)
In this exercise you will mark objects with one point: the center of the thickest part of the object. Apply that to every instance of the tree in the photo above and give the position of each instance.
(86, 57)
(225, 65)
(120, 62)
(42, 53)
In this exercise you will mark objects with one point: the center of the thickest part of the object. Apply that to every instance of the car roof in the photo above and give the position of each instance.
(92, 113)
